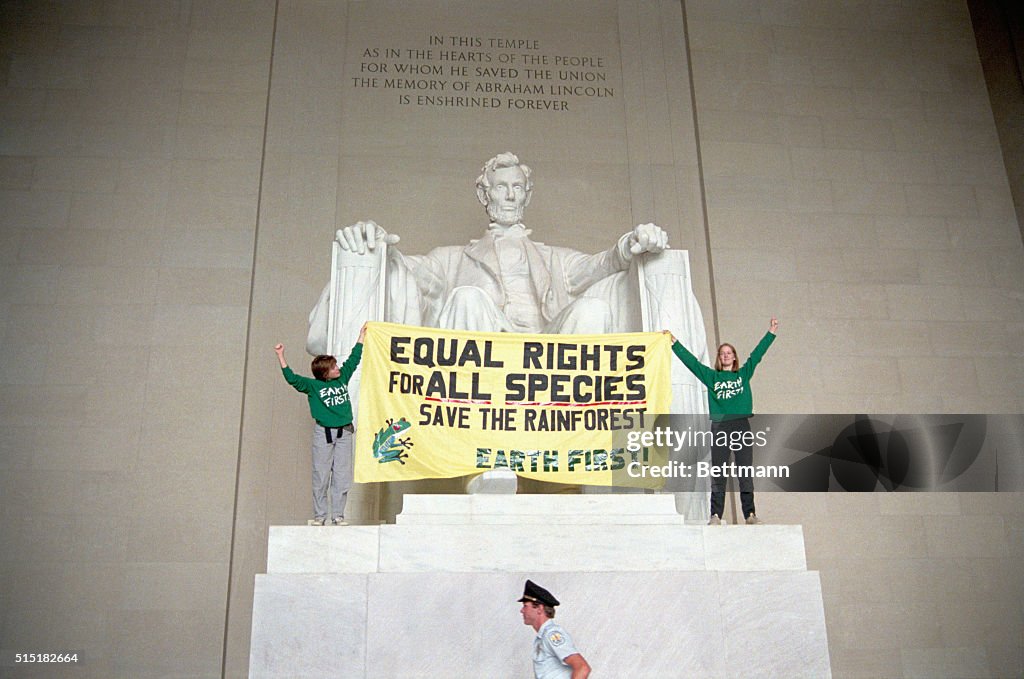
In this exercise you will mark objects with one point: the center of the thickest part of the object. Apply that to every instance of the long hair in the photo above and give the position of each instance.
(736, 359)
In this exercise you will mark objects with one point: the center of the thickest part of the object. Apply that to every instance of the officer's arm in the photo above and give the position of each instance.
(580, 668)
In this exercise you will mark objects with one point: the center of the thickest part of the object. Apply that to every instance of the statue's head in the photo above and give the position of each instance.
(504, 188)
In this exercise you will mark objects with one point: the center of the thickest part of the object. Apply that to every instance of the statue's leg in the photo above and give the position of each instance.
(470, 308)
(585, 316)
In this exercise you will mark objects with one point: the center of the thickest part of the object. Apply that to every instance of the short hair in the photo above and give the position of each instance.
(735, 360)
(507, 159)
(321, 365)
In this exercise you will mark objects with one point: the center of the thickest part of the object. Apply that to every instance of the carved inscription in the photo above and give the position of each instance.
(514, 74)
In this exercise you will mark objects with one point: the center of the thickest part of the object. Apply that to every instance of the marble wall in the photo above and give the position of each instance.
(915, 584)
(131, 140)
(170, 175)
(855, 187)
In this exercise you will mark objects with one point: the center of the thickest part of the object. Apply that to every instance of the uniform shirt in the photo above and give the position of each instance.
(329, 402)
(550, 649)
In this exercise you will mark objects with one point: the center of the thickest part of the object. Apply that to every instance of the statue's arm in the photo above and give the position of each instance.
(357, 241)
(407, 277)
(582, 271)
(364, 237)
(427, 270)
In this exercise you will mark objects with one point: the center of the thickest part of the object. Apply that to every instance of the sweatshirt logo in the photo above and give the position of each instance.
(333, 396)
(726, 389)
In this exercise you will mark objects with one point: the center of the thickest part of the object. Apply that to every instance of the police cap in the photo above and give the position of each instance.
(537, 594)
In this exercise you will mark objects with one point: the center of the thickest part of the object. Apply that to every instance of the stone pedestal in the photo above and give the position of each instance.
(435, 594)
(494, 482)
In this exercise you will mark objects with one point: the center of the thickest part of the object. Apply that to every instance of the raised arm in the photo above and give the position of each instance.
(701, 371)
(356, 355)
(747, 370)
(279, 350)
(298, 382)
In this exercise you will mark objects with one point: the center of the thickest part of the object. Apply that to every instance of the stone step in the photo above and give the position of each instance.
(540, 509)
(551, 547)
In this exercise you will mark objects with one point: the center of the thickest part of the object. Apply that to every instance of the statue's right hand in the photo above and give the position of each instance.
(363, 236)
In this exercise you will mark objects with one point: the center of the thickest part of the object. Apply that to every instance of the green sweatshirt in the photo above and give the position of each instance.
(729, 394)
(329, 403)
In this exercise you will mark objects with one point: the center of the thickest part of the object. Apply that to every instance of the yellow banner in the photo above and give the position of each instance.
(443, 403)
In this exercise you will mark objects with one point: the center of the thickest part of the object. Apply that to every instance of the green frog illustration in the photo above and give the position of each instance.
(387, 447)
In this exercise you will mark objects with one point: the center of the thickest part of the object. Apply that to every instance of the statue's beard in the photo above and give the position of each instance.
(504, 218)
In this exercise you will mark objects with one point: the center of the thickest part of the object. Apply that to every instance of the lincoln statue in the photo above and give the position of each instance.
(504, 281)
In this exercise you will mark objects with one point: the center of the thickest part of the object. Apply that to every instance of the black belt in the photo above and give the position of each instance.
(327, 432)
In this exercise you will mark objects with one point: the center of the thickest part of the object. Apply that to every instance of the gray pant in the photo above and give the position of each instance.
(332, 466)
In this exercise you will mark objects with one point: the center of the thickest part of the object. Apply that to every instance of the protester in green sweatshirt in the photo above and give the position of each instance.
(331, 408)
(730, 405)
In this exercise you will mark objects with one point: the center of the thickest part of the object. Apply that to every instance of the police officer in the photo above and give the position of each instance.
(554, 654)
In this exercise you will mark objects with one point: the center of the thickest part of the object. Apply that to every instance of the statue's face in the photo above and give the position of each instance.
(507, 196)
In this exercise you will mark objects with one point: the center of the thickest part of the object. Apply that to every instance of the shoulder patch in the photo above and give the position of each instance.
(556, 638)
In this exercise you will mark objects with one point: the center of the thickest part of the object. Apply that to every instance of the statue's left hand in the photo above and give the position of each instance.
(648, 238)
(363, 236)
